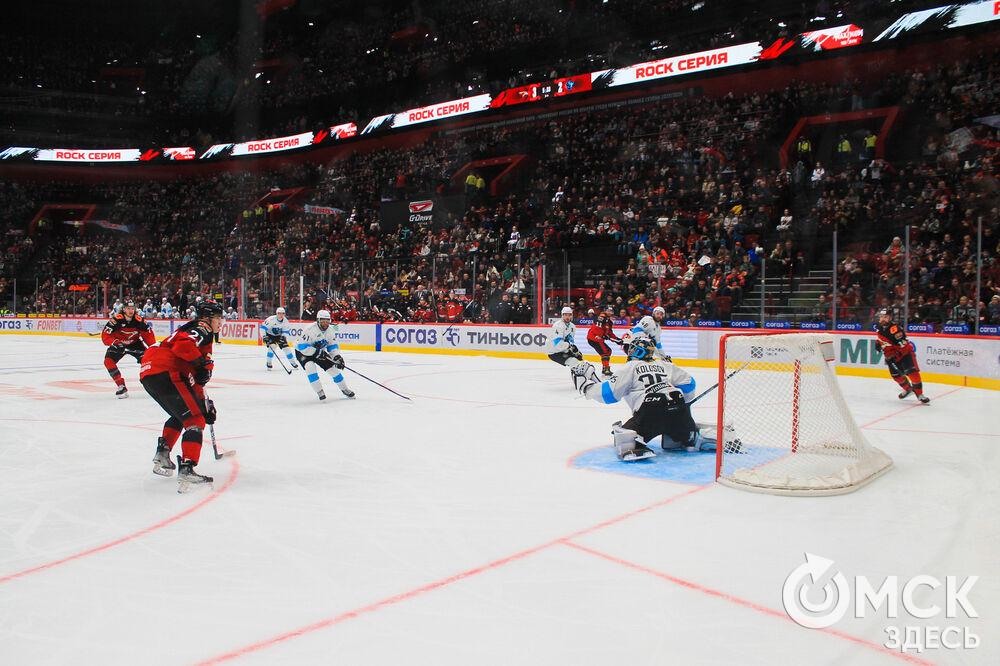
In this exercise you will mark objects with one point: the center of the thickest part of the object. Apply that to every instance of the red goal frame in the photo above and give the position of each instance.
(796, 384)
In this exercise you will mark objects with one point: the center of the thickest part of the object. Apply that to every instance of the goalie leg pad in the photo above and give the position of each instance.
(629, 445)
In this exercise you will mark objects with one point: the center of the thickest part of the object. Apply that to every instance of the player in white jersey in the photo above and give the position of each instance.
(658, 393)
(149, 310)
(560, 346)
(649, 326)
(318, 349)
(274, 332)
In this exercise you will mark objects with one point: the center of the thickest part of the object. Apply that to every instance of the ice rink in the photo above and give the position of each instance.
(479, 524)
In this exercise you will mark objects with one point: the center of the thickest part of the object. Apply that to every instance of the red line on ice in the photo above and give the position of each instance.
(322, 624)
(913, 406)
(131, 537)
(738, 601)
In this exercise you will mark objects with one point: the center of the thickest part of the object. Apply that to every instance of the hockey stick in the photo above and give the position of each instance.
(278, 356)
(215, 448)
(716, 385)
(375, 382)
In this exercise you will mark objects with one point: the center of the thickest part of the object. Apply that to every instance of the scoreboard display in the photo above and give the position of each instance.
(534, 92)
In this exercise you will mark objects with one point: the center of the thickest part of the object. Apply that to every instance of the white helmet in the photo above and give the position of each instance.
(324, 314)
(280, 311)
(660, 310)
(567, 310)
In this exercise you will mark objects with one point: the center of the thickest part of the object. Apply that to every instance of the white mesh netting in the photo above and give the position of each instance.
(784, 427)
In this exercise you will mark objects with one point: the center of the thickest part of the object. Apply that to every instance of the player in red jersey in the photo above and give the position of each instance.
(125, 333)
(899, 356)
(603, 329)
(174, 373)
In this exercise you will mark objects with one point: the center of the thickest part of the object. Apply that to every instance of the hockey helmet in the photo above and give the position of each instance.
(660, 310)
(207, 310)
(280, 311)
(129, 303)
(566, 310)
(641, 348)
(323, 314)
(885, 312)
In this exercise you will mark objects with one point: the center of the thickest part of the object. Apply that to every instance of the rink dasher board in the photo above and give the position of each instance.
(963, 360)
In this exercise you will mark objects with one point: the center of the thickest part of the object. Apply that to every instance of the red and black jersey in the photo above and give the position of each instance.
(422, 313)
(893, 340)
(188, 348)
(452, 311)
(603, 329)
(127, 331)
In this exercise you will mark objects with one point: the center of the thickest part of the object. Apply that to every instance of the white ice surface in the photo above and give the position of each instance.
(450, 530)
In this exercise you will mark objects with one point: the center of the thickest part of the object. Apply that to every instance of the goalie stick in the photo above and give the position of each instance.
(716, 384)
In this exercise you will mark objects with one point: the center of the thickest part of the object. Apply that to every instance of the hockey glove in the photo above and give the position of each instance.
(584, 376)
(575, 352)
(202, 375)
(117, 348)
(338, 362)
(210, 412)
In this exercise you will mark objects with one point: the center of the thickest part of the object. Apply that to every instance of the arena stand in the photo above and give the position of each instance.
(681, 204)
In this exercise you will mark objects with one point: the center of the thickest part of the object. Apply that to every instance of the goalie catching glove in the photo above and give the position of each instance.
(584, 376)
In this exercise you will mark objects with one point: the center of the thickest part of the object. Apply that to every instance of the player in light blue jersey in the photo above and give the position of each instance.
(318, 349)
(274, 332)
(649, 326)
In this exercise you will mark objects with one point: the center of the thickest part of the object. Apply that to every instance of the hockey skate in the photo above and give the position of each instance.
(162, 464)
(188, 479)
(639, 452)
(269, 365)
(322, 396)
(347, 392)
(924, 400)
(122, 392)
(294, 364)
(905, 393)
(606, 372)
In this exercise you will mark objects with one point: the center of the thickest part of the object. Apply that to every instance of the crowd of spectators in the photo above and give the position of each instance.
(305, 68)
(676, 203)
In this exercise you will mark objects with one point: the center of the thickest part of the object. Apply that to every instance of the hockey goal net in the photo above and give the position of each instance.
(784, 427)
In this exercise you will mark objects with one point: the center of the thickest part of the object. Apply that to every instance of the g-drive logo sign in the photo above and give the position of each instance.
(816, 596)
(421, 211)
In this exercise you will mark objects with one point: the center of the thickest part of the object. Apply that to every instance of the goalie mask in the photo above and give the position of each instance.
(641, 349)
